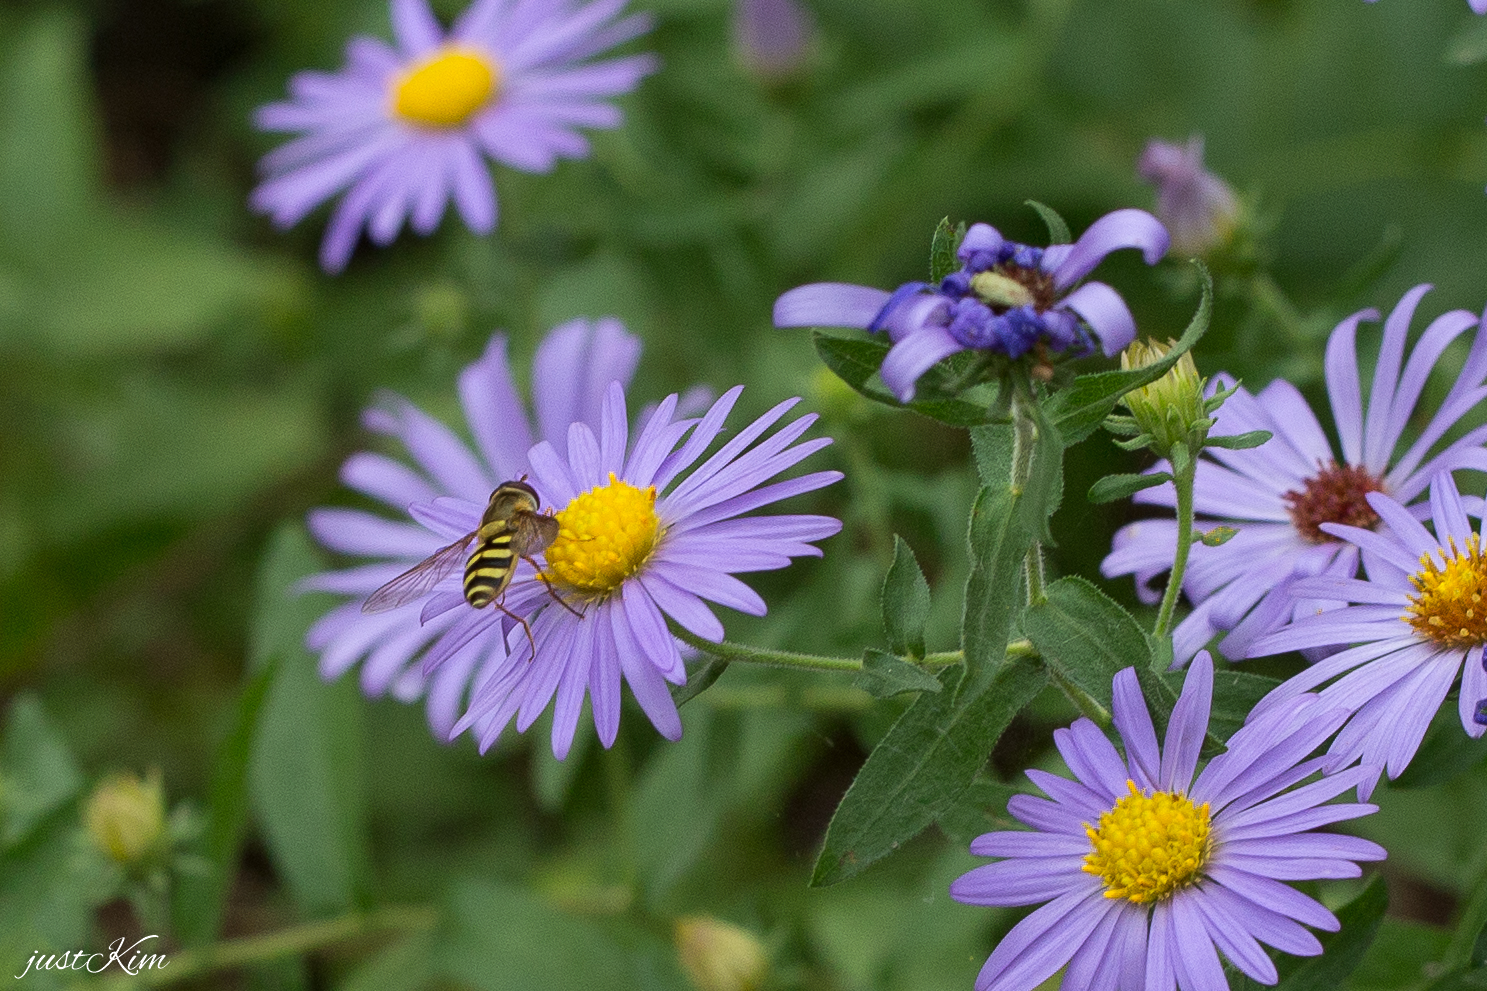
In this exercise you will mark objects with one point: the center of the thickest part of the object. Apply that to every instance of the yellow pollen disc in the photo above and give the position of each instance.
(606, 535)
(446, 89)
(1448, 606)
(1148, 846)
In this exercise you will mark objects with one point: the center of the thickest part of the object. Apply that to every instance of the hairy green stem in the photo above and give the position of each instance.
(1183, 480)
(729, 651)
(1024, 443)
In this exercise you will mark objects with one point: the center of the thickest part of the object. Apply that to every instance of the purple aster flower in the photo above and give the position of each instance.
(1006, 298)
(1197, 207)
(772, 36)
(1281, 495)
(642, 541)
(570, 372)
(1413, 625)
(404, 128)
(1148, 872)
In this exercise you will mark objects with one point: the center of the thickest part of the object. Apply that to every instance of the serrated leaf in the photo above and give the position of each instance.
(1239, 442)
(905, 601)
(1341, 951)
(1114, 487)
(1084, 637)
(1078, 410)
(1058, 229)
(942, 259)
(37, 772)
(884, 676)
(922, 766)
(305, 776)
(200, 897)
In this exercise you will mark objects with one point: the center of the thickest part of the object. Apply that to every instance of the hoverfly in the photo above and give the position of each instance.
(511, 527)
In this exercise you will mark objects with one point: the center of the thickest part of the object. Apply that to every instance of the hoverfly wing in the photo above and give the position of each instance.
(532, 532)
(418, 580)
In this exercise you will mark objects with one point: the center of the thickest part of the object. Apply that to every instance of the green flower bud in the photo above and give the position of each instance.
(125, 818)
(1171, 409)
(719, 956)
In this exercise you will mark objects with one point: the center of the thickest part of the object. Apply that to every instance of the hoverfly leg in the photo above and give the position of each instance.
(524, 625)
(550, 590)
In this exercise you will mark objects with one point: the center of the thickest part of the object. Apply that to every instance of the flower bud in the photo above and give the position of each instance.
(1199, 209)
(1171, 409)
(125, 818)
(719, 956)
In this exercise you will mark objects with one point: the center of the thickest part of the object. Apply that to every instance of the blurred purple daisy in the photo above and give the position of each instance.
(1196, 206)
(404, 128)
(1006, 298)
(1281, 495)
(1149, 873)
(1416, 622)
(641, 542)
(772, 37)
(571, 369)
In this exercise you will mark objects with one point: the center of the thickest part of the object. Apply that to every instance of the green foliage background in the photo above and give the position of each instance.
(180, 384)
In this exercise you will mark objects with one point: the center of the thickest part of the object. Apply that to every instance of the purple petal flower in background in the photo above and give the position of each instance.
(404, 129)
(1148, 872)
(571, 370)
(773, 37)
(1006, 298)
(1414, 624)
(1280, 495)
(643, 541)
(1198, 208)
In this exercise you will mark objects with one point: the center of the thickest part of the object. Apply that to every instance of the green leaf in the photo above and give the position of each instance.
(1078, 410)
(305, 776)
(1114, 487)
(1004, 525)
(1217, 537)
(504, 938)
(1058, 229)
(981, 808)
(905, 601)
(37, 772)
(47, 895)
(922, 767)
(406, 965)
(942, 260)
(1085, 638)
(884, 676)
(1445, 753)
(1342, 951)
(1399, 956)
(1239, 442)
(856, 362)
(200, 897)
(698, 681)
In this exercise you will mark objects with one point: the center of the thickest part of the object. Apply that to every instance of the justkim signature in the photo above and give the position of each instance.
(131, 959)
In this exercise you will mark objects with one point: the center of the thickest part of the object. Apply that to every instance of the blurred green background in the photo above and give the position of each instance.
(180, 384)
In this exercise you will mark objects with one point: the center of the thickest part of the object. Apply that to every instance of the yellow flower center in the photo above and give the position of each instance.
(606, 535)
(446, 89)
(1148, 846)
(1449, 607)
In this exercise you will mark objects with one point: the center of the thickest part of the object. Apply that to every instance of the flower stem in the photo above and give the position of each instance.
(1183, 479)
(1024, 443)
(192, 963)
(738, 652)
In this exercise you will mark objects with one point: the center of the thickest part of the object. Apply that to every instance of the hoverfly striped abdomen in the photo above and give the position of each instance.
(489, 569)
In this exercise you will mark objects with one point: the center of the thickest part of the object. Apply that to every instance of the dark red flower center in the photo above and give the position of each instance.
(1333, 495)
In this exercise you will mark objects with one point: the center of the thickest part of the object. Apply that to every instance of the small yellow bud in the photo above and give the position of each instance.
(125, 818)
(719, 956)
(1171, 408)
